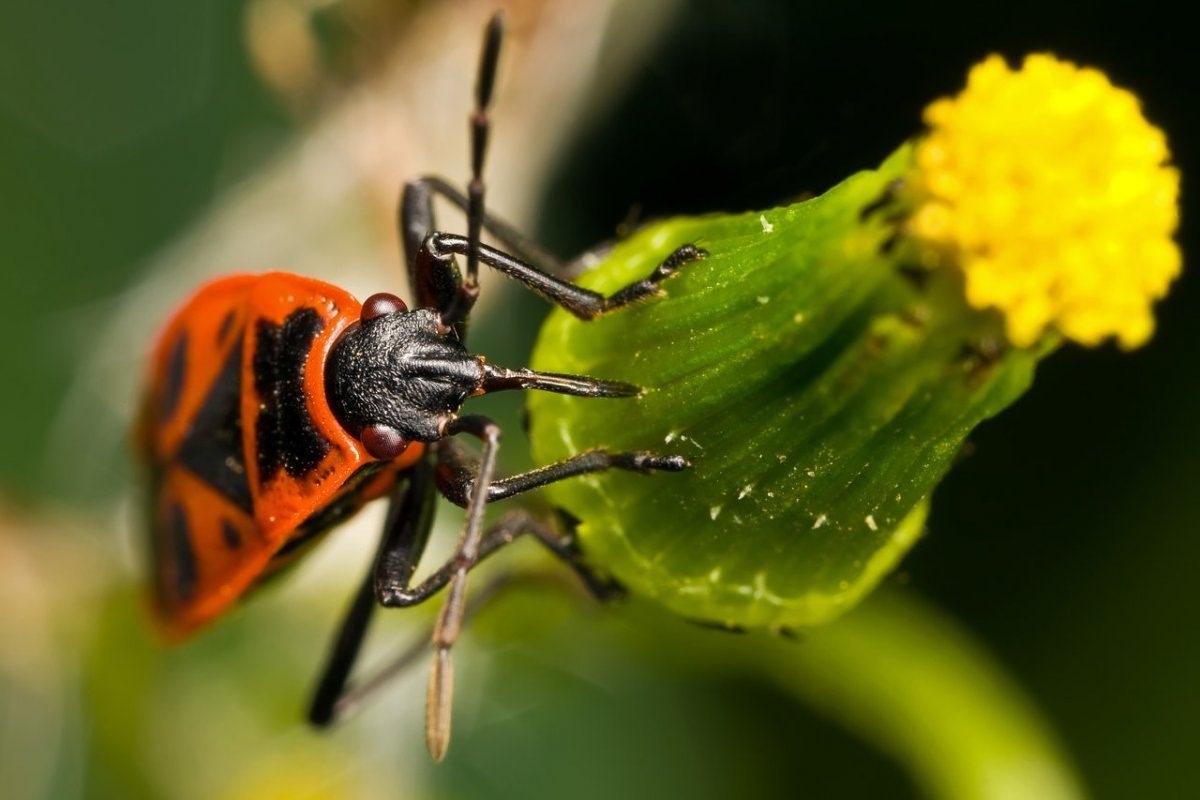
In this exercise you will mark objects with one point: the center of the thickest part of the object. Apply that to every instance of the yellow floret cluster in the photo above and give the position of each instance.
(1052, 193)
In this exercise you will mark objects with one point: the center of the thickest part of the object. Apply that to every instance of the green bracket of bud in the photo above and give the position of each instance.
(820, 381)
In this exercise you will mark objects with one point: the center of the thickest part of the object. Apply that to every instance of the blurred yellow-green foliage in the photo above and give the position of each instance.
(1038, 642)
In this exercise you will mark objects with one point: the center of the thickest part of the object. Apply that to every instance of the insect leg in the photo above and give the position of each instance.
(354, 695)
(389, 582)
(507, 529)
(456, 471)
(326, 707)
(440, 248)
(417, 222)
(401, 595)
(406, 533)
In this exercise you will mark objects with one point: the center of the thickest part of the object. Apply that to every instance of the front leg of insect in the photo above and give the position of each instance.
(398, 377)
(438, 250)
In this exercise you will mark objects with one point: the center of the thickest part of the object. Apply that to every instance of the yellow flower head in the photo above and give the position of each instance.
(1050, 190)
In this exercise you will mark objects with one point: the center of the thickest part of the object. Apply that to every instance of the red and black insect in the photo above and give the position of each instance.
(279, 405)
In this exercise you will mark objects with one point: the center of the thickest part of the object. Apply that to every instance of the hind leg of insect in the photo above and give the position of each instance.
(410, 517)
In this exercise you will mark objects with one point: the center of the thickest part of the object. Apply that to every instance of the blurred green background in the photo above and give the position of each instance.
(1064, 543)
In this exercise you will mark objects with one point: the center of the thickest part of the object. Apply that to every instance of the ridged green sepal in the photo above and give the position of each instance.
(820, 388)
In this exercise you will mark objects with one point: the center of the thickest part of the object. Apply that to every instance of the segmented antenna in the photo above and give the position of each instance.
(480, 126)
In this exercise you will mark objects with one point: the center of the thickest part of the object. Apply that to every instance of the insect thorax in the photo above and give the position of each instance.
(400, 370)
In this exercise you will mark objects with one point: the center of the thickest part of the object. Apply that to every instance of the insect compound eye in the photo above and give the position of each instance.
(383, 442)
(382, 303)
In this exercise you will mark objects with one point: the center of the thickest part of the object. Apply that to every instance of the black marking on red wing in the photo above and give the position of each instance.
(179, 546)
(233, 539)
(226, 326)
(173, 380)
(286, 435)
(213, 449)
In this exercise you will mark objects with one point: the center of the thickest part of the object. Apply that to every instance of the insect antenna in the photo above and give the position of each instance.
(480, 127)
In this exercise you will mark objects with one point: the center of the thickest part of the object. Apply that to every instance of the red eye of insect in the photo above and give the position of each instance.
(382, 303)
(383, 442)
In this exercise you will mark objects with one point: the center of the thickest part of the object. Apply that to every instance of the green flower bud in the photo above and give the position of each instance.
(820, 388)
